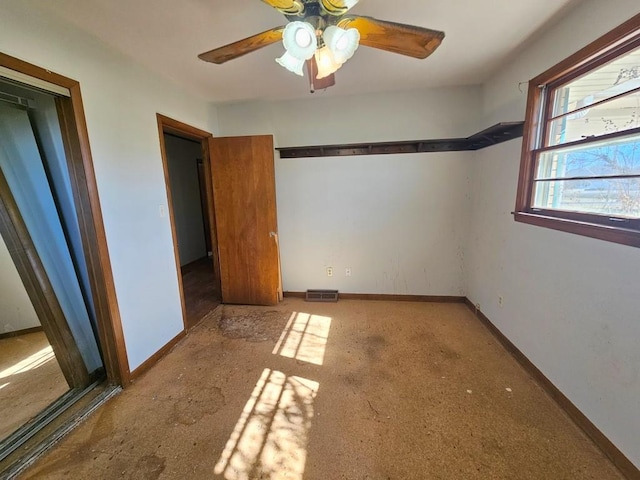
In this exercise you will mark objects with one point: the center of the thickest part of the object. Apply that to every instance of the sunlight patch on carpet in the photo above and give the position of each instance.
(270, 438)
(304, 338)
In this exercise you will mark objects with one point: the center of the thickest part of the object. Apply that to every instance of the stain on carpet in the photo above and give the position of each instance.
(252, 324)
(204, 401)
(374, 346)
(149, 467)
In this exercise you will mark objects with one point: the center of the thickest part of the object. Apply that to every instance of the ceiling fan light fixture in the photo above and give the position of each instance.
(321, 36)
(326, 63)
(292, 63)
(342, 43)
(299, 39)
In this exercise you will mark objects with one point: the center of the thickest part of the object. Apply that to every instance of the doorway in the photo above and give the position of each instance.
(239, 173)
(185, 156)
(60, 335)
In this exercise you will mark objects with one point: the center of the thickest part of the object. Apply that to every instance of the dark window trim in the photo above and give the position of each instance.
(614, 43)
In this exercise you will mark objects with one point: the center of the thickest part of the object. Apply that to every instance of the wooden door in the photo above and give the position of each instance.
(245, 213)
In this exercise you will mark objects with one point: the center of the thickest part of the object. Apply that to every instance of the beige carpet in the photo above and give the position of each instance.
(30, 379)
(353, 390)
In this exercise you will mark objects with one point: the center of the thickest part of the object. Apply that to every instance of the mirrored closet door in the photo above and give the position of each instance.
(49, 351)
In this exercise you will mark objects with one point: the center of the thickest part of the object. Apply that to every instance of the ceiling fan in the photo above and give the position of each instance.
(323, 36)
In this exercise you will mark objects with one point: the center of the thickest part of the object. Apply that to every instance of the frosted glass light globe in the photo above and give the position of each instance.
(299, 39)
(342, 43)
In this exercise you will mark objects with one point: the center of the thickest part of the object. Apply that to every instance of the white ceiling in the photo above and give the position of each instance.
(167, 35)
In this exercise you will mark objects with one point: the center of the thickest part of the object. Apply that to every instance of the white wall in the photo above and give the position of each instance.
(398, 221)
(120, 100)
(318, 120)
(182, 160)
(571, 303)
(16, 310)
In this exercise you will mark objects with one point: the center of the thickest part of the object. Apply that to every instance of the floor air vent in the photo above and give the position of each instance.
(322, 296)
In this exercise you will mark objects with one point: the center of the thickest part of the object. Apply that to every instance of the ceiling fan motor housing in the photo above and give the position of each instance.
(316, 13)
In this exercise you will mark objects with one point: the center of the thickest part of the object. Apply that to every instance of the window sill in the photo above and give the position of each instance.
(610, 234)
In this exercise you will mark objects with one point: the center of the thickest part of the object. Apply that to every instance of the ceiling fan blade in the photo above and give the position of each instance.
(393, 37)
(288, 7)
(242, 47)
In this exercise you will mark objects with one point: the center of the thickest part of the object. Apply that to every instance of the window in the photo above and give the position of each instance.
(580, 169)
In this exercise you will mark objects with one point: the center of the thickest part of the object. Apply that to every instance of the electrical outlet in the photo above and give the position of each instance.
(500, 301)
(329, 271)
(347, 272)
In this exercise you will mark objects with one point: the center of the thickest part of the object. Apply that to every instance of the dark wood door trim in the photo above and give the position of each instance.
(175, 127)
(211, 211)
(172, 220)
(170, 126)
(204, 204)
(87, 201)
(39, 289)
(94, 240)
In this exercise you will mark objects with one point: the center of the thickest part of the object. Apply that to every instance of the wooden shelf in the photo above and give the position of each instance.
(499, 133)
